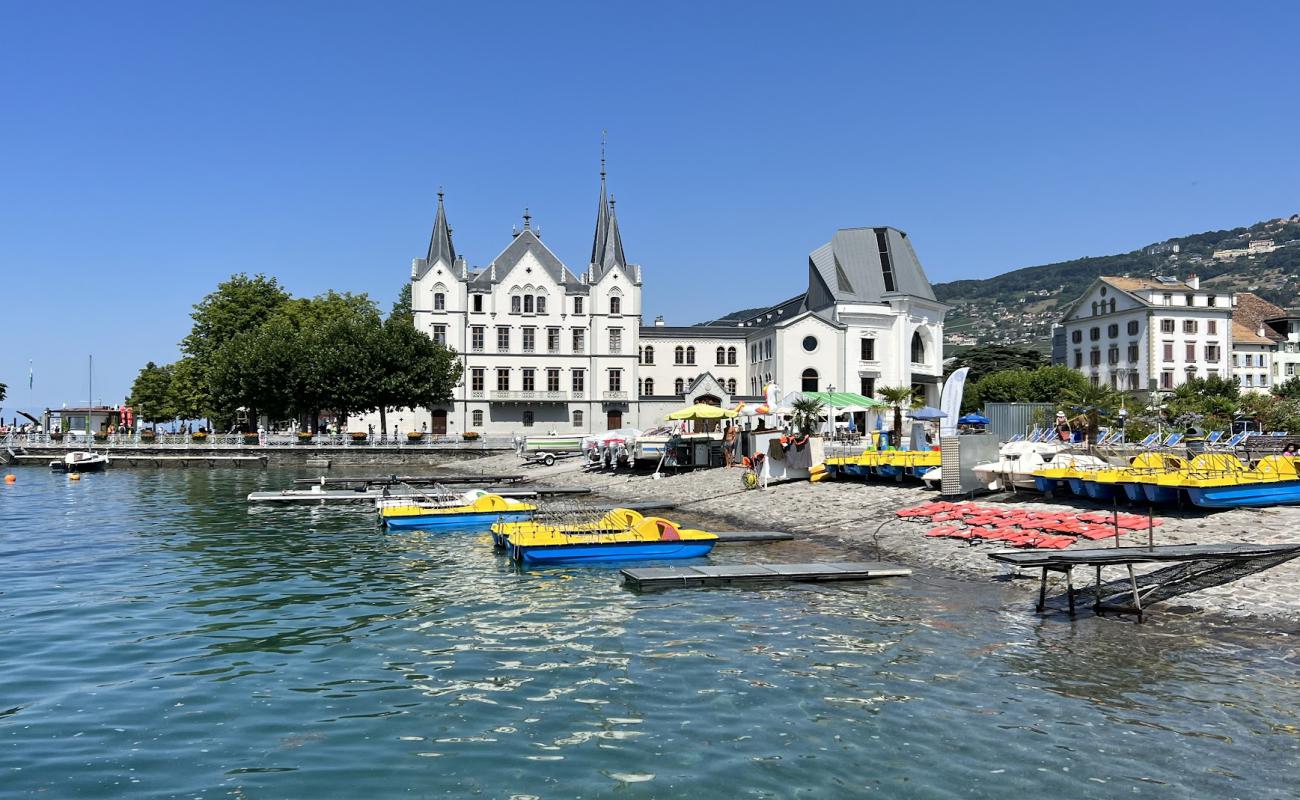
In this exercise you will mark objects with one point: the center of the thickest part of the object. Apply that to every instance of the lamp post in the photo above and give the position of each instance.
(830, 417)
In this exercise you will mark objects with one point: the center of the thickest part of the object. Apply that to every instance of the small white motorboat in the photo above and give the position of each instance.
(80, 461)
(1017, 462)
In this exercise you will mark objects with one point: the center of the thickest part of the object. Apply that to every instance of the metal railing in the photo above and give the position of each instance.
(191, 441)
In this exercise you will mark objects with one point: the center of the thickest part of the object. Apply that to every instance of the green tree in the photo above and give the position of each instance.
(987, 359)
(151, 394)
(898, 397)
(4, 390)
(402, 306)
(189, 397)
(806, 414)
(1288, 389)
(1094, 402)
(417, 372)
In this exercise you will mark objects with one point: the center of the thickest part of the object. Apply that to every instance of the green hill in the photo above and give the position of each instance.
(1019, 307)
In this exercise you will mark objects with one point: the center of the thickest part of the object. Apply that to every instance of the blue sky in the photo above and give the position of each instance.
(149, 151)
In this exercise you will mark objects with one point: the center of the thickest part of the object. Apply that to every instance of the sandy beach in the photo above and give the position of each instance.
(861, 516)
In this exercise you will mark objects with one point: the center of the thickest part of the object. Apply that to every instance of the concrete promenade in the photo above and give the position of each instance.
(861, 517)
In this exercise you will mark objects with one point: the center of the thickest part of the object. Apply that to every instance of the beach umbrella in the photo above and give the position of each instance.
(925, 413)
(973, 418)
(702, 411)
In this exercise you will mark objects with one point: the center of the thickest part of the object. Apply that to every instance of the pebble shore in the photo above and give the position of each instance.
(861, 517)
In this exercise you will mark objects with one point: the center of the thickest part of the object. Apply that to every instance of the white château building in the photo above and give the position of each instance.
(545, 348)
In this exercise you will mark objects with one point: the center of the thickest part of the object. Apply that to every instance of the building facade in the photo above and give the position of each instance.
(1139, 334)
(547, 349)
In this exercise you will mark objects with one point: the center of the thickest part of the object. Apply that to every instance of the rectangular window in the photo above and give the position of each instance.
(615, 340)
(439, 301)
(1166, 326)
(1263, 379)
(1212, 326)
(515, 304)
(1211, 352)
(530, 339)
(1250, 379)
(541, 304)
(1112, 355)
(552, 340)
(1112, 330)
(528, 304)
(1210, 301)
(1094, 358)
(476, 338)
(1168, 351)
(1167, 380)
(1250, 360)
(1290, 370)
(616, 380)
(530, 381)
(1133, 381)
(503, 340)
(886, 264)
(440, 335)
(503, 379)
(1169, 299)
(868, 352)
(552, 380)
(476, 379)
(579, 380)
(1191, 354)
(579, 340)
(1078, 359)
(477, 301)
(1189, 326)
(1132, 327)
(867, 387)
(577, 306)
(1133, 353)
(477, 418)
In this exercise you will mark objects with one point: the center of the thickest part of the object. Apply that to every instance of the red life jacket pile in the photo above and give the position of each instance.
(1055, 530)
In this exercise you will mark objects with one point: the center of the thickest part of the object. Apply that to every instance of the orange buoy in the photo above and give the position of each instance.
(11, 478)
(74, 476)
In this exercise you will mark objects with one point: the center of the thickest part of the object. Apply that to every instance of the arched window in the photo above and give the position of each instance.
(616, 305)
(690, 355)
(1112, 305)
(515, 301)
(541, 304)
(528, 419)
(679, 386)
(439, 301)
(577, 419)
(679, 355)
(809, 380)
(731, 355)
(731, 386)
(649, 386)
(649, 357)
(918, 348)
(1094, 308)
(528, 304)
(722, 355)
(640, 387)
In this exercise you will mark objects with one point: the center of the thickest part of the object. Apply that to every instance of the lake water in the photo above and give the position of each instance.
(159, 638)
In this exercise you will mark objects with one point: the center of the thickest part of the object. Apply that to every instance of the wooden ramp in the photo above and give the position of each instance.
(1191, 568)
(725, 537)
(671, 577)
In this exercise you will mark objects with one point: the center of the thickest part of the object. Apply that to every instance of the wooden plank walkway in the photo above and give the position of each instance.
(669, 577)
(1194, 567)
(752, 536)
(414, 480)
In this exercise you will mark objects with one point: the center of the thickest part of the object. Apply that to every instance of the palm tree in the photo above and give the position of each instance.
(897, 396)
(1094, 401)
(806, 413)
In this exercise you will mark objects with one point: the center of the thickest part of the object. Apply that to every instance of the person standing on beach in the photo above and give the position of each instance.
(729, 447)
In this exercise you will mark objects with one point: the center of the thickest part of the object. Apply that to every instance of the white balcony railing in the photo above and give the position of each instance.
(614, 394)
(531, 395)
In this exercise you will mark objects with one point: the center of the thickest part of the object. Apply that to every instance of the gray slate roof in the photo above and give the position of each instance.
(527, 242)
(851, 268)
(440, 247)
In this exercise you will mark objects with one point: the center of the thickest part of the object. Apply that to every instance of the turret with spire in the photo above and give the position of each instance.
(607, 244)
(440, 246)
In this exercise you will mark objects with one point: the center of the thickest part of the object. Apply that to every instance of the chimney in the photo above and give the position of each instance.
(1193, 281)
(659, 321)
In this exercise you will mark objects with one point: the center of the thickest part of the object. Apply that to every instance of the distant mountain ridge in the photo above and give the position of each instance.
(1019, 307)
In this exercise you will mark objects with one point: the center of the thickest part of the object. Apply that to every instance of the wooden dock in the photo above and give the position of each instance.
(118, 461)
(413, 480)
(1192, 567)
(673, 577)
(725, 537)
(371, 495)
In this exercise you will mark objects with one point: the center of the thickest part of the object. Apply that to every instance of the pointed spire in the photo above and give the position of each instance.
(528, 218)
(613, 242)
(440, 247)
(602, 216)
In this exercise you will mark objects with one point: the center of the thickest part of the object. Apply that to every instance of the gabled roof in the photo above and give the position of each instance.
(1127, 284)
(1250, 311)
(1243, 334)
(528, 242)
(865, 265)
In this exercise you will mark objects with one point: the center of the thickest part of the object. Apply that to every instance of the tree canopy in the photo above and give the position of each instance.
(1041, 385)
(987, 359)
(256, 350)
